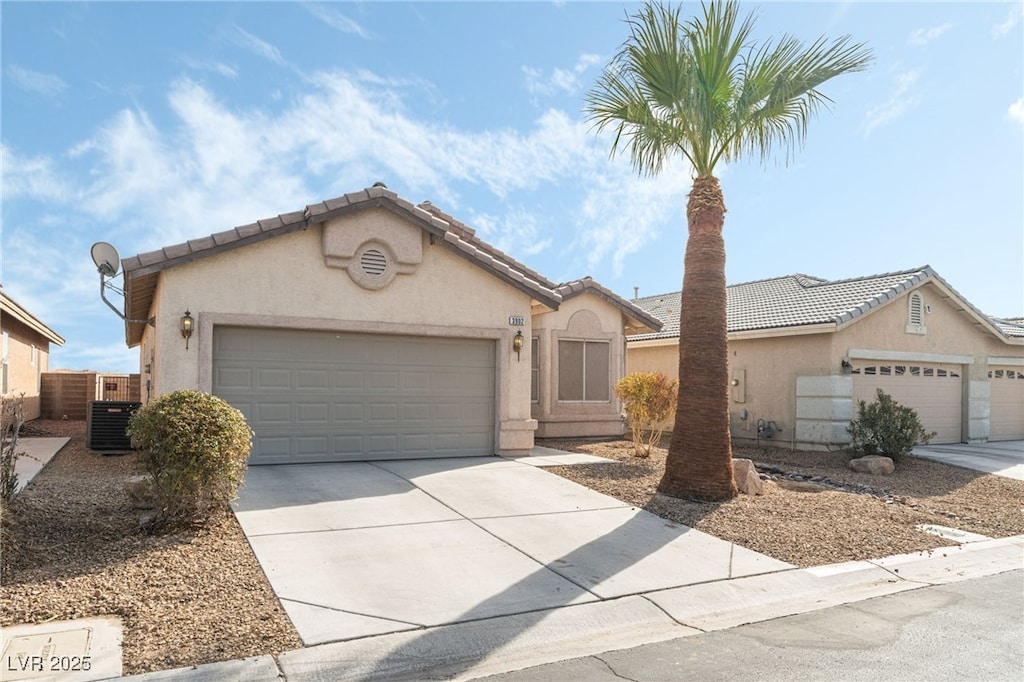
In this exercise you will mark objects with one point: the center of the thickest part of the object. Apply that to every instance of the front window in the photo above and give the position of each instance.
(583, 371)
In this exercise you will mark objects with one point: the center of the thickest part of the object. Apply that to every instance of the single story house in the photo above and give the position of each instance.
(367, 327)
(25, 353)
(803, 351)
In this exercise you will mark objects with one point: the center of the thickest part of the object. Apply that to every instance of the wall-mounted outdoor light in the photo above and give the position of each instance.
(187, 326)
(517, 343)
(847, 367)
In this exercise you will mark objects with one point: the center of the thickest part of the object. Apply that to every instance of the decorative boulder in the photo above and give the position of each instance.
(140, 492)
(745, 475)
(873, 464)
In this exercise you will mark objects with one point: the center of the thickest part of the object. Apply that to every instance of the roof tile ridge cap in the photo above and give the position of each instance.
(468, 234)
(929, 273)
(761, 281)
(881, 275)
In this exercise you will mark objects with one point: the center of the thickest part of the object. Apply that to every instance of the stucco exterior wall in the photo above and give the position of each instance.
(27, 357)
(583, 317)
(797, 380)
(287, 282)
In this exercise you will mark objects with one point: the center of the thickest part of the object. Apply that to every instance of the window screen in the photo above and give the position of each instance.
(583, 370)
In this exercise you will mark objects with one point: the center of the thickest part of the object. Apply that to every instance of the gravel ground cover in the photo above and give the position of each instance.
(183, 599)
(807, 518)
(200, 596)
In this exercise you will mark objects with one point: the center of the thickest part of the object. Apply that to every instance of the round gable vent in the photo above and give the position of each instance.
(373, 262)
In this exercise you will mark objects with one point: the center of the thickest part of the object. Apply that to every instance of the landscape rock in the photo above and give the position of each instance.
(747, 479)
(873, 464)
(140, 492)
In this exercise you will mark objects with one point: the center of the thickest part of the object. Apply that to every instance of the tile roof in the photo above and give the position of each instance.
(1011, 326)
(642, 317)
(141, 271)
(800, 300)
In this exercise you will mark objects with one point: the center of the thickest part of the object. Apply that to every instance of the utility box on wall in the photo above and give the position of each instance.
(106, 423)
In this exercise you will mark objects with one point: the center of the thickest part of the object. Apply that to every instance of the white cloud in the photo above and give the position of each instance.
(258, 46)
(337, 20)
(1013, 18)
(218, 167)
(559, 79)
(517, 232)
(923, 36)
(32, 177)
(901, 99)
(622, 212)
(219, 68)
(1016, 110)
(44, 84)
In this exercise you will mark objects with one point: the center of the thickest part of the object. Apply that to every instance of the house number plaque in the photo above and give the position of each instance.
(517, 320)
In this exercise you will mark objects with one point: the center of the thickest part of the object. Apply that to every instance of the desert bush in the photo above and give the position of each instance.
(648, 399)
(195, 446)
(885, 427)
(12, 416)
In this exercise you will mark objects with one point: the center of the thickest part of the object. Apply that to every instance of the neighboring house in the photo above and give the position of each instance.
(25, 352)
(803, 351)
(366, 327)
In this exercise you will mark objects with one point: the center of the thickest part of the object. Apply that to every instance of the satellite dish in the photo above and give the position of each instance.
(106, 259)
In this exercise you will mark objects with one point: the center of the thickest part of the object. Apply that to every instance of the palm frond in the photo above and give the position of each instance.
(702, 89)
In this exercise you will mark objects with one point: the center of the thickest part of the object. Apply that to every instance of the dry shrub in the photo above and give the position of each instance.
(195, 447)
(12, 417)
(648, 399)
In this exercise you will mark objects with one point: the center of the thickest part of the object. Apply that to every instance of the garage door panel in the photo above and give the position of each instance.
(313, 413)
(933, 391)
(357, 396)
(1006, 403)
(348, 413)
(274, 413)
(387, 381)
(308, 379)
(348, 379)
(417, 380)
(416, 412)
(308, 446)
(273, 379)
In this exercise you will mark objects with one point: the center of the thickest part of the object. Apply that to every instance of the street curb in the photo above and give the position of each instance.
(466, 651)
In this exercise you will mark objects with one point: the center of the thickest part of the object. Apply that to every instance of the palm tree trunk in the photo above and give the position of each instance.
(699, 464)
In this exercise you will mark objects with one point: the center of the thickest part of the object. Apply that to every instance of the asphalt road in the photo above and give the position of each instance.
(970, 630)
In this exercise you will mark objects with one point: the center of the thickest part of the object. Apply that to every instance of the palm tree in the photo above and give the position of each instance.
(702, 89)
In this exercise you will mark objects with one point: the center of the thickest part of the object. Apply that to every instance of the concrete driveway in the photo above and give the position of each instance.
(360, 549)
(1005, 458)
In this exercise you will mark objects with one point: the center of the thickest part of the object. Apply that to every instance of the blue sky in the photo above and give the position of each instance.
(146, 124)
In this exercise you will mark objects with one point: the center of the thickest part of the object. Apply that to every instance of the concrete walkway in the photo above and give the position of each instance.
(1005, 458)
(463, 568)
(37, 453)
(365, 549)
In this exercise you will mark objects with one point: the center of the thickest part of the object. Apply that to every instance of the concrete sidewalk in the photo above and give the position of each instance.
(1002, 458)
(478, 649)
(36, 454)
(464, 568)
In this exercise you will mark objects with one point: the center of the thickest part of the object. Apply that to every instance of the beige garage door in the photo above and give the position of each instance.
(1006, 396)
(934, 391)
(327, 397)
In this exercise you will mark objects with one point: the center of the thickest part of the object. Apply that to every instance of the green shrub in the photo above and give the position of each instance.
(885, 427)
(648, 399)
(195, 447)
